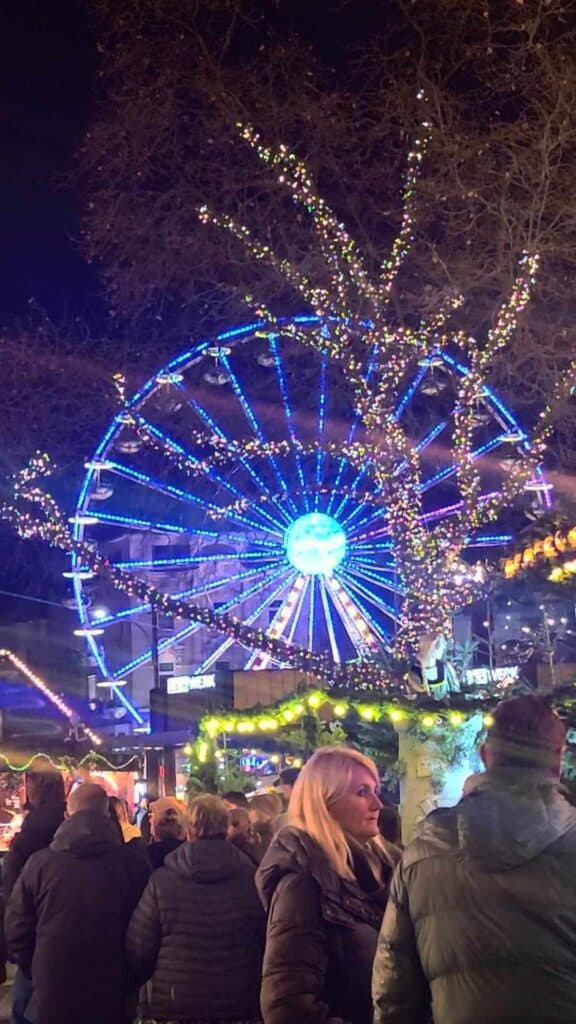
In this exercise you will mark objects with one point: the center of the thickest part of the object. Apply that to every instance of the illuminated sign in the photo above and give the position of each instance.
(485, 676)
(189, 684)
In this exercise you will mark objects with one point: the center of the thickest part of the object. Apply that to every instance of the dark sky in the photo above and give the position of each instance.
(46, 69)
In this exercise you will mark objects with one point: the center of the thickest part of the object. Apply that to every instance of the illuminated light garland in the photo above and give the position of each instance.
(69, 764)
(557, 547)
(423, 713)
(48, 692)
(358, 335)
(54, 529)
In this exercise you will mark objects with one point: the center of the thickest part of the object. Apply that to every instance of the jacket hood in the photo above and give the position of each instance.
(293, 851)
(508, 819)
(86, 834)
(207, 861)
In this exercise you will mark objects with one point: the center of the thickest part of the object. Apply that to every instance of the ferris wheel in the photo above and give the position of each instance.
(225, 480)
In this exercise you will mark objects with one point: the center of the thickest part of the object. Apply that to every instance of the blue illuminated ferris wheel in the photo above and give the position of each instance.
(224, 480)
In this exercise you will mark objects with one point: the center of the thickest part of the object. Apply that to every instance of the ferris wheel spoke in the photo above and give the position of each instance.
(352, 581)
(488, 540)
(149, 525)
(329, 620)
(251, 417)
(273, 345)
(203, 588)
(244, 462)
(353, 428)
(374, 576)
(449, 471)
(376, 627)
(173, 446)
(422, 445)
(289, 609)
(373, 515)
(286, 579)
(193, 627)
(185, 563)
(321, 427)
(357, 627)
(207, 507)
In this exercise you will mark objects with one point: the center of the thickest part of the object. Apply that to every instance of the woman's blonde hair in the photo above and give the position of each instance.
(265, 807)
(208, 817)
(324, 779)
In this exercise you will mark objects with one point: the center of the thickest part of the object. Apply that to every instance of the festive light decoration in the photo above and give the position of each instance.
(558, 547)
(328, 706)
(91, 759)
(48, 692)
(372, 486)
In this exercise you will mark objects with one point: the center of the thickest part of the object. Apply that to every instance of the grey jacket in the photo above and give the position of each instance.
(481, 923)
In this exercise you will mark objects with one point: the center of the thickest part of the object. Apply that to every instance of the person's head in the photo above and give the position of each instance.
(45, 788)
(239, 825)
(144, 801)
(287, 781)
(526, 733)
(167, 819)
(234, 798)
(208, 818)
(88, 796)
(264, 808)
(118, 809)
(336, 800)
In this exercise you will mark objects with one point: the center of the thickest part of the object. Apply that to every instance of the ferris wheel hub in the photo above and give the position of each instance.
(315, 544)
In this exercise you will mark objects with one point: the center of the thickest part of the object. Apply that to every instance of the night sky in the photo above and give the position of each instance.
(47, 63)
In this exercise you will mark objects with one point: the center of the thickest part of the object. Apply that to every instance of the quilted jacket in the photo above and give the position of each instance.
(481, 923)
(197, 935)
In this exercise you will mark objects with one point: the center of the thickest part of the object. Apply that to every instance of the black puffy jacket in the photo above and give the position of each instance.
(37, 832)
(198, 934)
(322, 934)
(481, 923)
(66, 920)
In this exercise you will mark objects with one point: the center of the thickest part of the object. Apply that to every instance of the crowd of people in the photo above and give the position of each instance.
(264, 911)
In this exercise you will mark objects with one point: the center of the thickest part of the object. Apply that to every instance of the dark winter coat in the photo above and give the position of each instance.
(66, 921)
(37, 833)
(481, 924)
(198, 934)
(159, 850)
(322, 934)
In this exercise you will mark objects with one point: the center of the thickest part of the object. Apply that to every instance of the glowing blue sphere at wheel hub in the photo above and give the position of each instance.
(315, 544)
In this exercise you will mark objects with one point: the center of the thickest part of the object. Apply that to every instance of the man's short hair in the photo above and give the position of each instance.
(88, 796)
(526, 733)
(288, 776)
(235, 798)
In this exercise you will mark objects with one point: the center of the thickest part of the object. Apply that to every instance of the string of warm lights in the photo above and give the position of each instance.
(48, 692)
(328, 707)
(425, 557)
(558, 547)
(92, 759)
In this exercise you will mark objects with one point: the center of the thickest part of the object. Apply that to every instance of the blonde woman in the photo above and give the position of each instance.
(324, 882)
